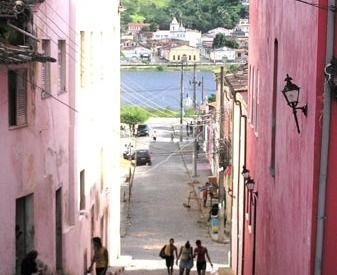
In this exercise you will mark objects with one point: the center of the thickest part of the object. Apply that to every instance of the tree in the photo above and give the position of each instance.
(132, 115)
(211, 98)
(219, 41)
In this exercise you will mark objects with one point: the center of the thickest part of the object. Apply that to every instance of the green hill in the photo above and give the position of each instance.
(202, 15)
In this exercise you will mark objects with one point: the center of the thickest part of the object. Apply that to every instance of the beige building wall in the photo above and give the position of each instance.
(192, 54)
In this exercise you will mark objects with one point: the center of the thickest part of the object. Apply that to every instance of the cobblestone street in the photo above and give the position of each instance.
(157, 212)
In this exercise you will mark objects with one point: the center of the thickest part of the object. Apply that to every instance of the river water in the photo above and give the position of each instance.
(161, 89)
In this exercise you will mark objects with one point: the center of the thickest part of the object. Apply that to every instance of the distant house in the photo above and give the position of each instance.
(128, 43)
(243, 27)
(222, 54)
(137, 54)
(175, 54)
(135, 28)
(207, 40)
(226, 32)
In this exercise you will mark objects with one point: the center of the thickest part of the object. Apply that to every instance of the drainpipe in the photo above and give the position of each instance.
(324, 148)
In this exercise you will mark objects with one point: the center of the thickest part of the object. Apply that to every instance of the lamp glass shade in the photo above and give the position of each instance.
(250, 184)
(291, 96)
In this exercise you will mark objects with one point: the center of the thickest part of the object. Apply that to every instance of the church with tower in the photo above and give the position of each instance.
(178, 31)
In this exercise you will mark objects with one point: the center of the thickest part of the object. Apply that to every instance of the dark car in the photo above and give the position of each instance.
(143, 130)
(143, 157)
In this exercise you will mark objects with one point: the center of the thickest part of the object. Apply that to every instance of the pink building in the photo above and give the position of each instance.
(52, 199)
(289, 224)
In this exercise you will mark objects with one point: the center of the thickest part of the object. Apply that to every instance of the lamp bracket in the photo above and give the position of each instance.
(304, 109)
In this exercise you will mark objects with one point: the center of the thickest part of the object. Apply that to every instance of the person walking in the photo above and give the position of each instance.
(101, 257)
(201, 253)
(169, 251)
(154, 136)
(28, 264)
(186, 259)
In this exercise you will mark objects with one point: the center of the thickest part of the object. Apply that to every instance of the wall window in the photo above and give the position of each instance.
(251, 95)
(91, 60)
(101, 155)
(82, 189)
(178, 57)
(189, 57)
(17, 97)
(82, 59)
(274, 104)
(62, 66)
(46, 70)
(194, 57)
(174, 57)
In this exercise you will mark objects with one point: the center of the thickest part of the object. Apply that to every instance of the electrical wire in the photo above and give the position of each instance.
(316, 5)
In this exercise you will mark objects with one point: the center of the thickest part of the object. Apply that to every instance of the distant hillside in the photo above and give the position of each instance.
(202, 15)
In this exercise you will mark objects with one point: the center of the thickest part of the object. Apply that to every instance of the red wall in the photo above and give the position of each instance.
(287, 202)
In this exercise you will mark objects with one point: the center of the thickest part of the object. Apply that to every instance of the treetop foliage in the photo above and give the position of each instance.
(202, 15)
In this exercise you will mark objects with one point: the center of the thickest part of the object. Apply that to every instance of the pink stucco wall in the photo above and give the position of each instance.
(286, 202)
(41, 157)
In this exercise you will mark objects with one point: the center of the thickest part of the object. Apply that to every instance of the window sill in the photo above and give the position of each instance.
(17, 127)
(60, 92)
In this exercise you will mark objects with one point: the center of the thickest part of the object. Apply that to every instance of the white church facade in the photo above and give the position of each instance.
(178, 31)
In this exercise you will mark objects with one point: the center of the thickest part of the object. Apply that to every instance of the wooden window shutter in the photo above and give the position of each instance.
(21, 97)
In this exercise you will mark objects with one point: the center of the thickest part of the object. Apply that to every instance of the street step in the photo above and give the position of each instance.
(225, 271)
(115, 270)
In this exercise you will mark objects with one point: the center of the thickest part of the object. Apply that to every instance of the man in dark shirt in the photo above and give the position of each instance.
(28, 264)
(200, 252)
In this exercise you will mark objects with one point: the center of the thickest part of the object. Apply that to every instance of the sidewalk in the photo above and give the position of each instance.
(203, 172)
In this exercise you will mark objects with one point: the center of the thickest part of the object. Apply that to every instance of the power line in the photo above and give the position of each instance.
(46, 2)
(316, 5)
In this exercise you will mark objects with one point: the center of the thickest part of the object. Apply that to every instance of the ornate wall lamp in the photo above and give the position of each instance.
(245, 172)
(249, 182)
(291, 93)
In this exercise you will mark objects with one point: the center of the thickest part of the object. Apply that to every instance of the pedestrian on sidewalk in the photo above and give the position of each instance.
(186, 258)
(154, 136)
(101, 257)
(169, 251)
(201, 253)
(187, 129)
(29, 264)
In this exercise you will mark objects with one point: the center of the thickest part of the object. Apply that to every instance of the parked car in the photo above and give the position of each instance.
(143, 157)
(143, 130)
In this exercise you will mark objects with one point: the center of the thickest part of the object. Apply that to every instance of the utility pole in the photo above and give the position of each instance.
(221, 161)
(195, 151)
(181, 99)
(202, 90)
(194, 88)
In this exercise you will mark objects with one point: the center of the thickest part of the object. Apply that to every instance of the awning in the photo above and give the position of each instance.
(10, 54)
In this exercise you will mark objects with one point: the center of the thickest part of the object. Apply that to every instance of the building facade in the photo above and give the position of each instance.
(289, 218)
(59, 192)
(178, 32)
(177, 54)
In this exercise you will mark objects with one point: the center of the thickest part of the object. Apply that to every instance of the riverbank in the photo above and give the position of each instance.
(177, 67)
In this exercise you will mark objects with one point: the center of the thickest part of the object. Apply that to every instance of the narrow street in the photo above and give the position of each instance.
(157, 212)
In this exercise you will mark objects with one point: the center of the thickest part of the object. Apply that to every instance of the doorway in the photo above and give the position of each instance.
(24, 228)
(58, 230)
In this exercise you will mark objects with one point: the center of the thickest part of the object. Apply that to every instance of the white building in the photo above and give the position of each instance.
(226, 32)
(97, 169)
(178, 31)
(243, 26)
(222, 54)
(137, 53)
